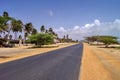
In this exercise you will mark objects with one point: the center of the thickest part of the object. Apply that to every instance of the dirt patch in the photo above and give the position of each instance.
(4, 57)
(100, 64)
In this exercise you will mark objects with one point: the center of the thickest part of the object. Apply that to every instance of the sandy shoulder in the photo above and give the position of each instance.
(10, 54)
(100, 64)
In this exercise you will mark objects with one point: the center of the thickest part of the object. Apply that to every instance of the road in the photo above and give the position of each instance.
(61, 64)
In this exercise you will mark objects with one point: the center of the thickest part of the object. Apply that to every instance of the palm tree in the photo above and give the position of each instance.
(4, 25)
(46, 31)
(42, 29)
(17, 26)
(5, 14)
(56, 35)
(6, 19)
(1, 24)
(25, 35)
(6, 37)
(50, 30)
(7, 26)
(34, 31)
(67, 38)
(20, 40)
(64, 37)
(10, 37)
(28, 29)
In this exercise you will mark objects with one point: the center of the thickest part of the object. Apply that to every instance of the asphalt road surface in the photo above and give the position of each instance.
(62, 64)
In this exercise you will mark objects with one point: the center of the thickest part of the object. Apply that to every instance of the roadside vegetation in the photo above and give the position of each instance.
(14, 31)
(106, 40)
(41, 39)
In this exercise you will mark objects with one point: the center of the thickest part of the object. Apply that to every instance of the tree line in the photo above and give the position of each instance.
(10, 26)
(107, 40)
(15, 31)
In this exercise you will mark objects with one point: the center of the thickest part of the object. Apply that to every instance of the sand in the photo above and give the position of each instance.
(100, 63)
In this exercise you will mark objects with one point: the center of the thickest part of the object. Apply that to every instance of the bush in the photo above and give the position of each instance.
(41, 39)
(107, 40)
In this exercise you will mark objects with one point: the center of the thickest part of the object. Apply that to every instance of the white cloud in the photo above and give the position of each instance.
(61, 29)
(76, 27)
(95, 28)
(97, 22)
(51, 13)
(87, 25)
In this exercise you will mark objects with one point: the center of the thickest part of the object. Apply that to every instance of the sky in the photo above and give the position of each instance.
(77, 18)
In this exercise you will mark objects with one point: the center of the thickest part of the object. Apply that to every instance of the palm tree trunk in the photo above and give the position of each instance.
(8, 40)
(24, 43)
(15, 35)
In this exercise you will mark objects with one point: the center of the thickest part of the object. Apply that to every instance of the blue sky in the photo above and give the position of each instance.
(62, 14)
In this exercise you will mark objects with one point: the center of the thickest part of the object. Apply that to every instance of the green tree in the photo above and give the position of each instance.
(107, 40)
(25, 35)
(4, 22)
(42, 29)
(50, 30)
(10, 37)
(34, 31)
(41, 39)
(92, 38)
(2, 25)
(28, 29)
(6, 19)
(46, 31)
(6, 37)
(5, 14)
(17, 26)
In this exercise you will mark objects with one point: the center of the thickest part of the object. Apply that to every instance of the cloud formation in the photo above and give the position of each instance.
(95, 28)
